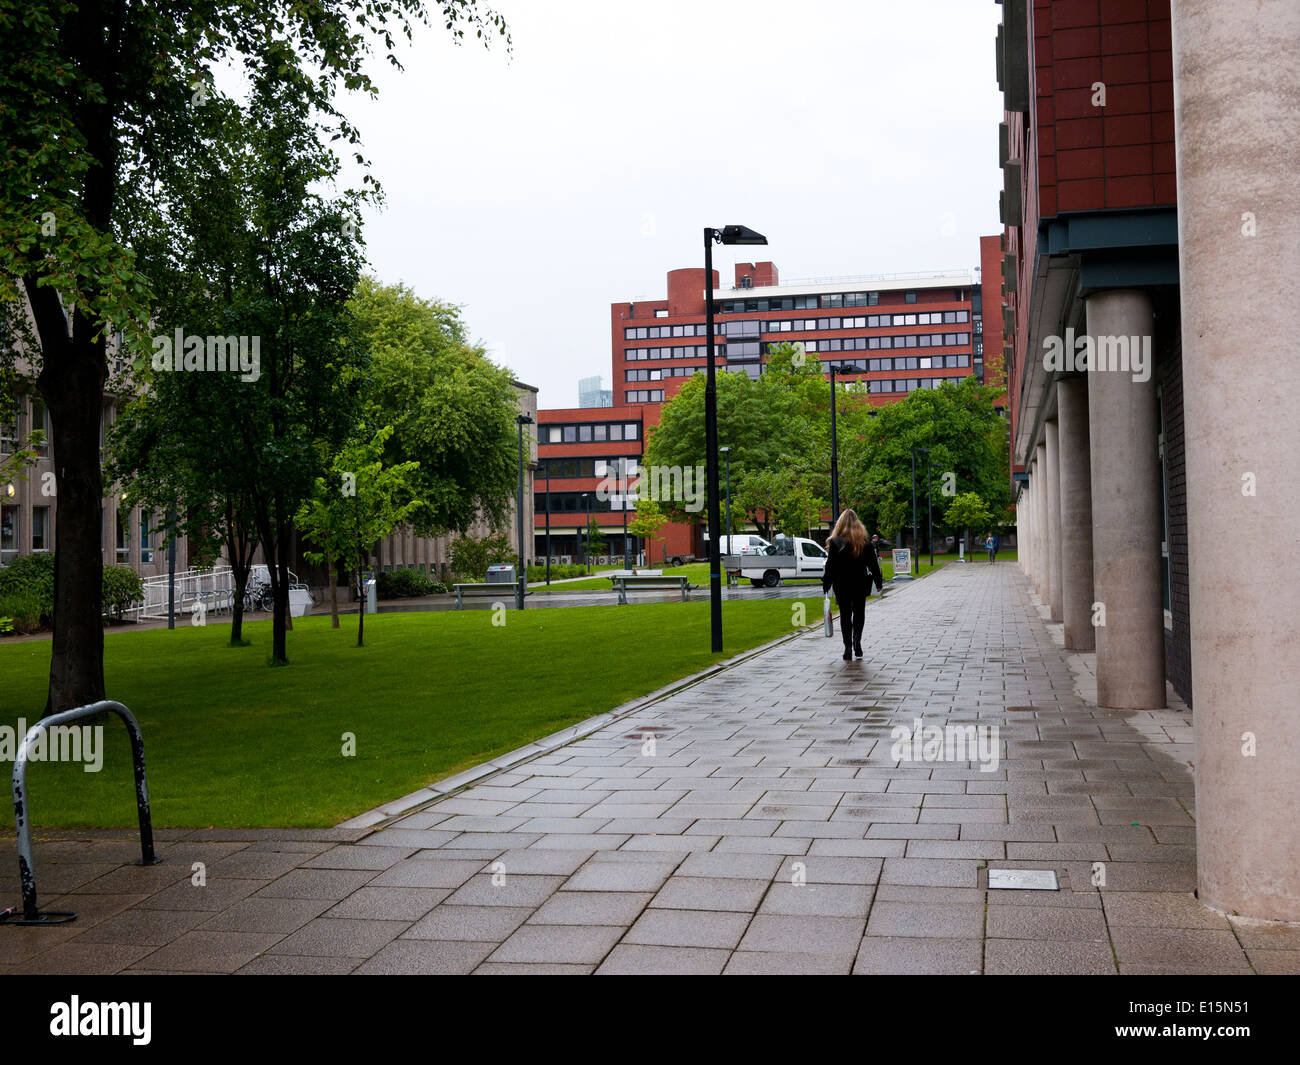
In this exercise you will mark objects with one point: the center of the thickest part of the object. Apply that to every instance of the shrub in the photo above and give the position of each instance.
(32, 577)
(6, 626)
(405, 584)
(537, 574)
(471, 556)
(22, 608)
(121, 588)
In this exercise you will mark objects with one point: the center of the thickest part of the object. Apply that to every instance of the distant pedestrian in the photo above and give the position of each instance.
(991, 545)
(877, 544)
(851, 568)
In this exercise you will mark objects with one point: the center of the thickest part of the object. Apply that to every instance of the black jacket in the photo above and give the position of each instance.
(849, 575)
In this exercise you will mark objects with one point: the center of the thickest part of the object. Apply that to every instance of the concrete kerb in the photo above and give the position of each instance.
(378, 818)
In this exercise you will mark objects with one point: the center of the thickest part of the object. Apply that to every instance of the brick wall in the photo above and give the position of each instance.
(1122, 154)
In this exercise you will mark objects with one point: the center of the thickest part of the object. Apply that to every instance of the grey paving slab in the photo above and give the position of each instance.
(632, 959)
(893, 955)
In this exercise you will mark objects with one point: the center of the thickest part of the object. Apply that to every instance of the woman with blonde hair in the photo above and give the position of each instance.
(851, 568)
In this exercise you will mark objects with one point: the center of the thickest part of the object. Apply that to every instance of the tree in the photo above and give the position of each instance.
(471, 555)
(99, 100)
(169, 452)
(594, 543)
(361, 502)
(647, 523)
(453, 409)
(958, 423)
(890, 516)
(968, 511)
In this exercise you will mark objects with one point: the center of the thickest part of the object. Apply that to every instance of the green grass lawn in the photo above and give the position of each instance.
(231, 742)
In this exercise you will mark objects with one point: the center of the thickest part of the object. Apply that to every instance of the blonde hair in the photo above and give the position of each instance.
(851, 531)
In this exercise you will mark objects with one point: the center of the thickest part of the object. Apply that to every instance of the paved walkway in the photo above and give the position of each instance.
(767, 828)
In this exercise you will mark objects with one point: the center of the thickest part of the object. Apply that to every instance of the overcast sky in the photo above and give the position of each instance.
(534, 190)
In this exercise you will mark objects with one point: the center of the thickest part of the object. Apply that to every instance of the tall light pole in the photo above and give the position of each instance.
(916, 532)
(522, 576)
(627, 550)
(547, 469)
(835, 453)
(586, 551)
(726, 451)
(725, 235)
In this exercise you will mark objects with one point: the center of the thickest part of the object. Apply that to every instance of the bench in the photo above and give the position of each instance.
(634, 573)
(496, 591)
(622, 584)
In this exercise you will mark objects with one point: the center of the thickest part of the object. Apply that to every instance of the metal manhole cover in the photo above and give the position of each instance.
(1023, 879)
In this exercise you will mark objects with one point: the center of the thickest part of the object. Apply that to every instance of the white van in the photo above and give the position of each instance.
(742, 544)
(793, 558)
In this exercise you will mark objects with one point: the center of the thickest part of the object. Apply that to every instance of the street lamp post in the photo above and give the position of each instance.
(725, 235)
(586, 551)
(522, 576)
(835, 452)
(547, 468)
(929, 508)
(916, 532)
(726, 451)
(627, 550)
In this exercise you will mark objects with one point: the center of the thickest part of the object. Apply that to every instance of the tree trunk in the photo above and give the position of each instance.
(361, 613)
(72, 382)
(331, 570)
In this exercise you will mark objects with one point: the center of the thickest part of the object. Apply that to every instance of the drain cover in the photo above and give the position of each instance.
(1023, 879)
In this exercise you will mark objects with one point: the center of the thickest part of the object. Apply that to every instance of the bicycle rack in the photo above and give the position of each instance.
(31, 915)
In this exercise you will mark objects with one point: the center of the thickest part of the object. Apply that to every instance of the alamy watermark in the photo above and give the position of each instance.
(58, 743)
(679, 484)
(236, 354)
(946, 743)
(1093, 354)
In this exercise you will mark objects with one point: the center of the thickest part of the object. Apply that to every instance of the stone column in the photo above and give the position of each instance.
(1237, 123)
(1031, 544)
(1040, 520)
(1126, 510)
(1076, 514)
(1019, 532)
(1053, 453)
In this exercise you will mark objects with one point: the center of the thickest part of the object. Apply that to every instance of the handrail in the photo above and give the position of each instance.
(26, 872)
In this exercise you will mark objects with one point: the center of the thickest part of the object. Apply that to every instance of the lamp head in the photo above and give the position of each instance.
(739, 235)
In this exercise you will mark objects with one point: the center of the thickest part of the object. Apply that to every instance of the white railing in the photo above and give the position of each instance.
(191, 584)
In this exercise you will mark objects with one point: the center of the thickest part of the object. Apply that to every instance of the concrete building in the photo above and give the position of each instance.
(1150, 256)
(590, 394)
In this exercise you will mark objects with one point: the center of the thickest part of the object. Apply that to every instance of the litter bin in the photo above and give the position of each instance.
(501, 574)
(372, 598)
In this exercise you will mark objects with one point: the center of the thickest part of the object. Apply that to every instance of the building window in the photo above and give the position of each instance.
(41, 423)
(123, 535)
(146, 538)
(661, 314)
(909, 297)
(8, 534)
(9, 436)
(40, 528)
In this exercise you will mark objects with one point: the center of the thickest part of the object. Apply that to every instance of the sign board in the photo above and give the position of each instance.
(902, 562)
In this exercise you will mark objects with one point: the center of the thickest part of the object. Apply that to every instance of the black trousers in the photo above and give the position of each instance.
(853, 615)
